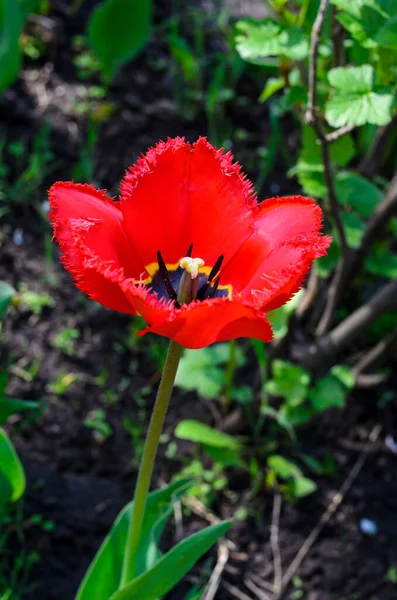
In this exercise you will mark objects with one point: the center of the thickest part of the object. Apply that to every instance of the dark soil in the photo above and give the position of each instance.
(80, 483)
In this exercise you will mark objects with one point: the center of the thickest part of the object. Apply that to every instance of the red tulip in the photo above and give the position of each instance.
(180, 202)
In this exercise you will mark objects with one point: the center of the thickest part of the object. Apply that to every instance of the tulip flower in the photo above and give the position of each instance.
(188, 247)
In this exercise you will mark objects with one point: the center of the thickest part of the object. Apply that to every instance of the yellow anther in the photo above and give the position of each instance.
(191, 265)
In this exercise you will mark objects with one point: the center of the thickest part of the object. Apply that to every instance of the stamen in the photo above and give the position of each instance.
(215, 269)
(165, 275)
(191, 265)
(214, 288)
(189, 252)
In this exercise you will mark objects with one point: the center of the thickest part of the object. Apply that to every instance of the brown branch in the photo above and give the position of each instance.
(323, 352)
(376, 355)
(353, 259)
(335, 135)
(312, 118)
(371, 160)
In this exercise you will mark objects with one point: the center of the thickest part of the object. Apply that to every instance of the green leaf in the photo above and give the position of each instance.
(117, 32)
(288, 381)
(6, 295)
(11, 470)
(257, 40)
(354, 100)
(357, 192)
(387, 35)
(173, 566)
(10, 406)
(227, 457)
(326, 264)
(194, 431)
(283, 468)
(303, 486)
(333, 389)
(382, 263)
(203, 371)
(103, 577)
(354, 228)
(279, 318)
(10, 55)
(273, 85)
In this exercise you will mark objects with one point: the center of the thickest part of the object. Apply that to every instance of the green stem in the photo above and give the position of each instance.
(148, 458)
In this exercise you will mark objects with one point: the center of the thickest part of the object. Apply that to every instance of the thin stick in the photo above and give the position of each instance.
(313, 55)
(215, 579)
(330, 511)
(235, 591)
(260, 594)
(274, 542)
(335, 135)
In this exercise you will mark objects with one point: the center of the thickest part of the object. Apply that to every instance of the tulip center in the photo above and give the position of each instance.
(186, 281)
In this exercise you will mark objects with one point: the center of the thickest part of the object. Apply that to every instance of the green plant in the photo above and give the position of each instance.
(64, 340)
(121, 42)
(96, 420)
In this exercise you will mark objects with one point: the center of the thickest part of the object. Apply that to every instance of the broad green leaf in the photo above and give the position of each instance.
(382, 263)
(257, 40)
(118, 30)
(387, 35)
(342, 150)
(203, 370)
(103, 576)
(284, 468)
(354, 100)
(10, 55)
(194, 431)
(11, 467)
(6, 295)
(279, 318)
(273, 85)
(288, 381)
(354, 228)
(227, 457)
(357, 192)
(10, 406)
(170, 569)
(303, 486)
(333, 389)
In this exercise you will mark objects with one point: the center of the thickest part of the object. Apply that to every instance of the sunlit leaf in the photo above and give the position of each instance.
(194, 431)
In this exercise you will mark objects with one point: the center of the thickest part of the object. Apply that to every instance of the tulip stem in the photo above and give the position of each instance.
(148, 458)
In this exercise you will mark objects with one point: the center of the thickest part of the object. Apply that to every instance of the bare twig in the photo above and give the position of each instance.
(375, 356)
(312, 119)
(274, 542)
(257, 591)
(310, 294)
(215, 579)
(329, 512)
(323, 352)
(366, 382)
(335, 135)
(235, 591)
(371, 160)
(313, 56)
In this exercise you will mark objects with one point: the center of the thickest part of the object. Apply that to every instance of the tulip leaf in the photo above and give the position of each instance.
(117, 32)
(103, 576)
(10, 55)
(6, 292)
(194, 431)
(159, 580)
(11, 471)
(10, 406)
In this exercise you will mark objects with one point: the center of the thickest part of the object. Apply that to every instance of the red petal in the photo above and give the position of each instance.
(279, 253)
(199, 324)
(177, 195)
(89, 228)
